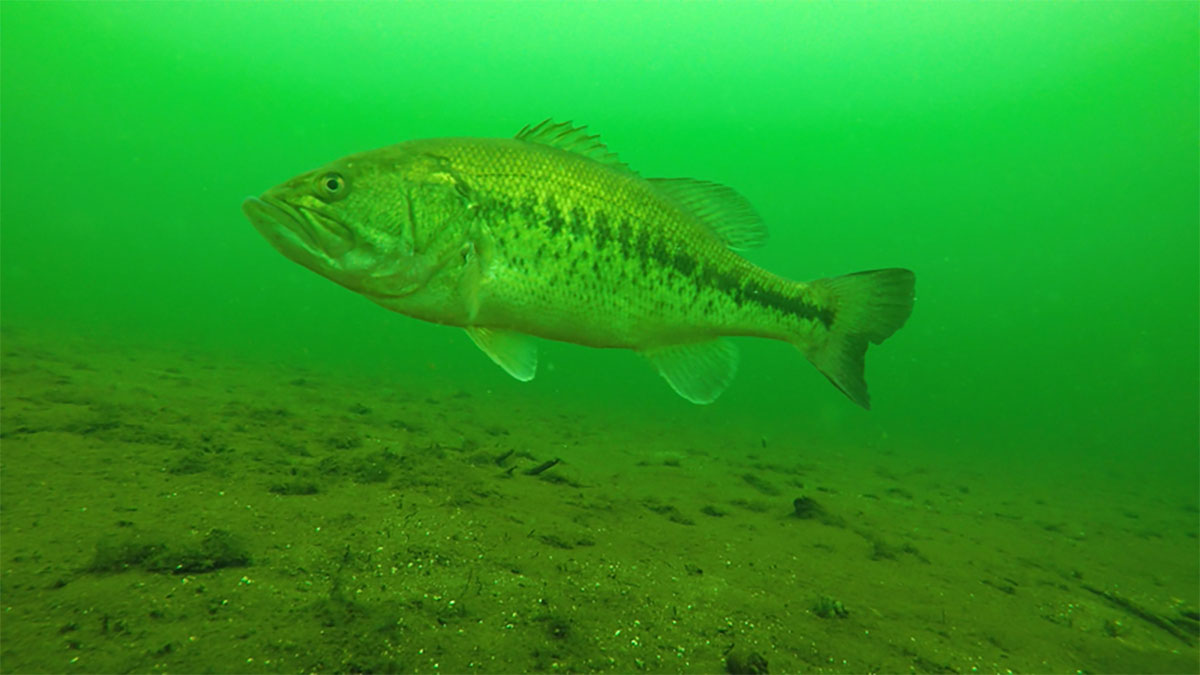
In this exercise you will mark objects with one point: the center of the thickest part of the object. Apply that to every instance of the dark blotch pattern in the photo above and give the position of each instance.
(642, 246)
(600, 230)
(578, 222)
(554, 219)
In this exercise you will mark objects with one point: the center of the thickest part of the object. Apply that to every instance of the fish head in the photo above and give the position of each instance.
(349, 221)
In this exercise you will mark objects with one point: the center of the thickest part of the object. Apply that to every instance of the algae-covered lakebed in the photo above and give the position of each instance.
(169, 511)
(214, 460)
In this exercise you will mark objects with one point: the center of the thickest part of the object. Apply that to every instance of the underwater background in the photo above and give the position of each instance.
(215, 460)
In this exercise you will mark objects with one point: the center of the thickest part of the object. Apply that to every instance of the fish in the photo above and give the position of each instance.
(550, 235)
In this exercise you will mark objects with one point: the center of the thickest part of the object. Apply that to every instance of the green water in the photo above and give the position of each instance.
(1036, 165)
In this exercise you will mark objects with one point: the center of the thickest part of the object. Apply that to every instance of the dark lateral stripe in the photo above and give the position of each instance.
(641, 244)
(647, 247)
(554, 219)
(578, 221)
(755, 292)
(600, 230)
(524, 207)
(742, 291)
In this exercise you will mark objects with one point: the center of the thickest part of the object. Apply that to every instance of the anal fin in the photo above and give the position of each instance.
(699, 371)
(516, 353)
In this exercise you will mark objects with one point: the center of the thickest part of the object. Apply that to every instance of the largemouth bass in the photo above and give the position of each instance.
(549, 234)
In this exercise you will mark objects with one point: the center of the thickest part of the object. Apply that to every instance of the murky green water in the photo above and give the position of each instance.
(1036, 165)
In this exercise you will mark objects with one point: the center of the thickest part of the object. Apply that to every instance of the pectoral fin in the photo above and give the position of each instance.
(699, 371)
(514, 352)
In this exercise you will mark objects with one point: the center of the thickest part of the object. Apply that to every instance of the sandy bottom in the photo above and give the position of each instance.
(167, 511)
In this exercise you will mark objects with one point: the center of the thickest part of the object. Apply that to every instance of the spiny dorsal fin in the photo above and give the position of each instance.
(572, 139)
(728, 214)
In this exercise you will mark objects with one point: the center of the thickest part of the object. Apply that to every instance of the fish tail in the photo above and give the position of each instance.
(866, 307)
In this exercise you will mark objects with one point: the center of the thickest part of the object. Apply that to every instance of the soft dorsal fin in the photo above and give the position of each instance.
(699, 371)
(728, 214)
(563, 136)
(516, 353)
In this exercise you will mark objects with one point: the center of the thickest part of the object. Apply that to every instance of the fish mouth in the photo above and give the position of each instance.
(300, 234)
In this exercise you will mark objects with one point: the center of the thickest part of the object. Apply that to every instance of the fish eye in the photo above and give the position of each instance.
(332, 184)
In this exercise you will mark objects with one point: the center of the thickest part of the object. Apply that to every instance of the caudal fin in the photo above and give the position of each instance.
(869, 307)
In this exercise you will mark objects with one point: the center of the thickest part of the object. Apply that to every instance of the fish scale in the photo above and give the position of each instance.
(616, 267)
(549, 234)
